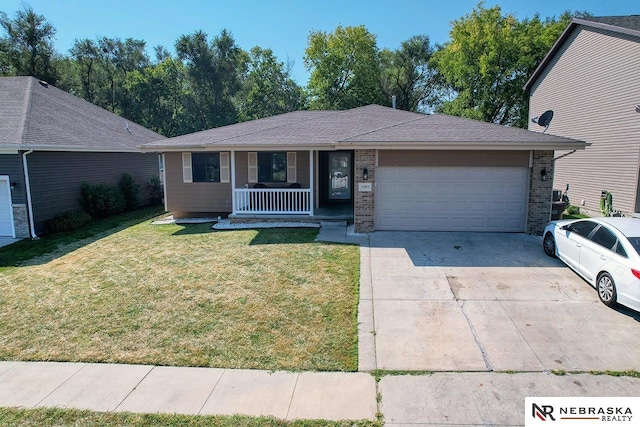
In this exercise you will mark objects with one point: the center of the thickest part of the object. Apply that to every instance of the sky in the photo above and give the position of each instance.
(281, 25)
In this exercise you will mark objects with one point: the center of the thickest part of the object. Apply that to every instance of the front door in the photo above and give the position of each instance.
(340, 175)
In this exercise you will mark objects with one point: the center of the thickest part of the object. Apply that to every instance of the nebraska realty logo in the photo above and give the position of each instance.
(581, 411)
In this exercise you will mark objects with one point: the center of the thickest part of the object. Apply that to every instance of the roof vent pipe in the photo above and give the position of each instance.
(393, 102)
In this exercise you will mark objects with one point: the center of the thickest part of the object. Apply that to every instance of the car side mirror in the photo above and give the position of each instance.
(566, 227)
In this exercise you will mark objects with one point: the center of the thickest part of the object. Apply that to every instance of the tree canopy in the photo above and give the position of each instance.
(207, 81)
(488, 60)
(27, 46)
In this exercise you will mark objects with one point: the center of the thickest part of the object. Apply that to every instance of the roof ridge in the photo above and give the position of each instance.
(26, 110)
(384, 127)
(328, 113)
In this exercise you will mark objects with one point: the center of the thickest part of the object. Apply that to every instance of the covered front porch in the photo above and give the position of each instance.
(312, 185)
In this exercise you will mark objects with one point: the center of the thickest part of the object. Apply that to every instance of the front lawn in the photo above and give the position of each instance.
(44, 417)
(184, 296)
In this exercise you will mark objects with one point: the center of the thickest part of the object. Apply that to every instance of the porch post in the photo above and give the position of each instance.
(232, 154)
(311, 181)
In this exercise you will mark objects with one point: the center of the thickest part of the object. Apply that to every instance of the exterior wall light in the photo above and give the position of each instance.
(365, 174)
(543, 174)
(13, 185)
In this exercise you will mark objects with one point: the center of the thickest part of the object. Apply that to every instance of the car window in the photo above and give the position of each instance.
(604, 237)
(620, 250)
(583, 228)
(635, 242)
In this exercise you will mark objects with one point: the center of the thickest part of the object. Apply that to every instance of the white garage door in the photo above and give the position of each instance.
(6, 211)
(451, 198)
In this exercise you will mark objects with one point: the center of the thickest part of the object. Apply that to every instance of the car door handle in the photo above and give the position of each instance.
(579, 245)
(602, 257)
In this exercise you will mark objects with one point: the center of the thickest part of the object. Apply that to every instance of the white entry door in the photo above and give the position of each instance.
(491, 199)
(6, 211)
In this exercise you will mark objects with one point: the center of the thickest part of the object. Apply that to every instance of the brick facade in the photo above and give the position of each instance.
(21, 221)
(540, 192)
(364, 201)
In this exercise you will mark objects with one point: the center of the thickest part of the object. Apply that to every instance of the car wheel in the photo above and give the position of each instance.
(549, 245)
(607, 289)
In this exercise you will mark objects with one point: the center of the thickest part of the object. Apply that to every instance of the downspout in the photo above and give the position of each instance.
(27, 185)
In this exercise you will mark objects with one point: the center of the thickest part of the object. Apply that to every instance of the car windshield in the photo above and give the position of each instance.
(635, 242)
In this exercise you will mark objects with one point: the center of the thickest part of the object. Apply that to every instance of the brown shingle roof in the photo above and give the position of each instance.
(37, 115)
(371, 125)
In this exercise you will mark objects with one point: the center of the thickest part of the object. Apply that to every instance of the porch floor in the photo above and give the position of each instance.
(320, 214)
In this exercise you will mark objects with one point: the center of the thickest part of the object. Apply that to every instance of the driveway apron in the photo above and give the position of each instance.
(455, 301)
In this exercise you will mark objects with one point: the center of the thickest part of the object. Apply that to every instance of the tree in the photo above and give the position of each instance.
(27, 46)
(214, 71)
(87, 55)
(156, 94)
(268, 88)
(407, 75)
(345, 68)
(488, 60)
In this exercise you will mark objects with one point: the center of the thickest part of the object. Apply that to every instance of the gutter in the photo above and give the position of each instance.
(27, 183)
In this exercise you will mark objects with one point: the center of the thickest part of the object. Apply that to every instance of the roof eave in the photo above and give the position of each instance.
(235, 147)
(71, 148)
(492, 146)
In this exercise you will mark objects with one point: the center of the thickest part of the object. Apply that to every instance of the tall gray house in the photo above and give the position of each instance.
(590, 80)
(50, 143)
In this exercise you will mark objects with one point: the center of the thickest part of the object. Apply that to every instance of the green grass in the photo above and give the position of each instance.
(574, 216)
(10, 417)
(182, 295)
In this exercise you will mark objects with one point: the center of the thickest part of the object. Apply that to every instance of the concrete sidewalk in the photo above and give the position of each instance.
(447, 398)
(190, 391)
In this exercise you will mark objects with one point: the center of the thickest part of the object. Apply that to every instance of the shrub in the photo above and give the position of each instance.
(67, 221)
(130, 191)
(102, 200)
(156, 190)
(572, 210)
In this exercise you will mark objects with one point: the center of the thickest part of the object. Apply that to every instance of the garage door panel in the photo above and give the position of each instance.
(6, 210)
(451, 198)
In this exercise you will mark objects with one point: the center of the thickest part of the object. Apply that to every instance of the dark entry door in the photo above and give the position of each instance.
(340, 175)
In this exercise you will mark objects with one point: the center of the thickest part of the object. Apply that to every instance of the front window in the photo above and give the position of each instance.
(272, 167)
(206, 167)
(583, 228)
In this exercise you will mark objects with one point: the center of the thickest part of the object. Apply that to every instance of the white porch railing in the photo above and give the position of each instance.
(272, 201)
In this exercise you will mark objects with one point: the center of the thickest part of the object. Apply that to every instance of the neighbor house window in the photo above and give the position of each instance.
(205, 167)
(272, 167)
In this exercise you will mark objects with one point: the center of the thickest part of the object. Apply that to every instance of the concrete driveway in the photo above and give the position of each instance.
(484, 302)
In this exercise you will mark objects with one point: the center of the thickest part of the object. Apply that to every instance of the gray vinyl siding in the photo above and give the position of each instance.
(193, 197)
(56, 177)
(11, 164)
(592, 86)
(453, 158)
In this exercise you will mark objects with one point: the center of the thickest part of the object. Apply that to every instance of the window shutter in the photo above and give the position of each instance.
(187, 174)
(253, 166)
(225, 175)
(291, 167)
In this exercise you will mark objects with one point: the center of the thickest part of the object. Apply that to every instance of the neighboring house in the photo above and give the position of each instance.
(590, 80)
(387, 169)
(50, 143)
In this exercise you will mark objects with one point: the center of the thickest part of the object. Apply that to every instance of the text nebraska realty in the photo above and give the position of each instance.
(605, 413)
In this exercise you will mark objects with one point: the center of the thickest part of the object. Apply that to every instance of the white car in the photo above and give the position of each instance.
(604, 251)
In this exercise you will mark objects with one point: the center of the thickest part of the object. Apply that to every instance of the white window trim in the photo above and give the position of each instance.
(291, 167)
(187, 169)
(225, 174)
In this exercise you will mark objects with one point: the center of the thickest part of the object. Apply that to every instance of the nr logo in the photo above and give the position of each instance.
(542, 412)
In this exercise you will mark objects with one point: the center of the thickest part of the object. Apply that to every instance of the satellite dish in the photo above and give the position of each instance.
(545, 119)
